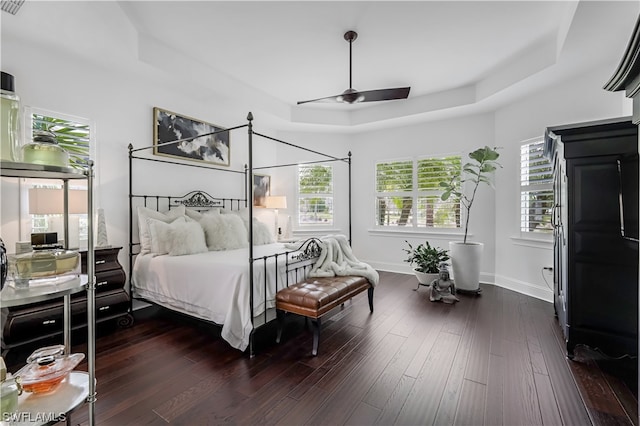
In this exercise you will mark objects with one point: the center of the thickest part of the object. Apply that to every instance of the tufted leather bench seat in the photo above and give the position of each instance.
(314, 297)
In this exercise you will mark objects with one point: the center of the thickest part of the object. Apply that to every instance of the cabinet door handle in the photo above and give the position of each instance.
(48, 322)
(100, 262)
(102, 283)
(104, 308)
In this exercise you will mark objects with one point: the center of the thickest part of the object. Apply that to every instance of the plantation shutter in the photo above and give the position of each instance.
(394, 207)
(432, 211)
(536, 190)
(315, 194)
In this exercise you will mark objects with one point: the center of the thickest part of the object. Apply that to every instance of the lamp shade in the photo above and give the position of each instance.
(276, 202)
(51, 201)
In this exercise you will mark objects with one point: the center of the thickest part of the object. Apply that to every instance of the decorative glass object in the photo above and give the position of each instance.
(45, 150)
(43, 267)
(46, 368)
(9, 120)
(10, 389)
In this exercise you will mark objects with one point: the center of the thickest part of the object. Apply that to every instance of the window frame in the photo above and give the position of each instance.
(25, 184)
(300, 196)
(547, 186)
(416, 194)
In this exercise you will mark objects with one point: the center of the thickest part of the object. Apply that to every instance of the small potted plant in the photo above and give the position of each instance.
(425, 261)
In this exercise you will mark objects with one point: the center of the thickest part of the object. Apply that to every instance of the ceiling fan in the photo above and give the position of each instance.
(351, 95)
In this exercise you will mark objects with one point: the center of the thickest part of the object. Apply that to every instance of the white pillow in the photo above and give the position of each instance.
(224, 231)
(196, 215)
(261, 233)
(186, 238)
(145, 213)
(160, 233)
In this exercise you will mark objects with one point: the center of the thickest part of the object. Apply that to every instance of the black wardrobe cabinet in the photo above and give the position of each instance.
(595, 220)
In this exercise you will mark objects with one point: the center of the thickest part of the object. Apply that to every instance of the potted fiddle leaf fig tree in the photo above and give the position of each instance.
(425, 261)
(466, 256)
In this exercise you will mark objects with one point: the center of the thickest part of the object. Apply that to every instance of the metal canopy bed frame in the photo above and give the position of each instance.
(296, 261)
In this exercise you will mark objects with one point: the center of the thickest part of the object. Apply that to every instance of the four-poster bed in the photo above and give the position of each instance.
(216, 286)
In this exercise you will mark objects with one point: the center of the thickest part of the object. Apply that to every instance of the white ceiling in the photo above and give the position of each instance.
(455, 55)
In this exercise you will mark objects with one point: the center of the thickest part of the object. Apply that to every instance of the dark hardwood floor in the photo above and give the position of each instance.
(494, 359)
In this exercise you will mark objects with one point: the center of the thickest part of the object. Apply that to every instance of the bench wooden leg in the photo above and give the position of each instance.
(316, 336)
(280, 315)
(370, 294)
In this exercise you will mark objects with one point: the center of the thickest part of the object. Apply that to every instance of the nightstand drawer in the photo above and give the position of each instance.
(110, 280)
(106, 259)
(113, 303)
(43, 320)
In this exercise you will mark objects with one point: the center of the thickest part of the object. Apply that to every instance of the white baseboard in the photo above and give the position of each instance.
(542, 293)
(519, 286)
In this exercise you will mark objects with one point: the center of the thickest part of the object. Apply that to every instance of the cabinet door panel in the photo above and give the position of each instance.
(605, 298)
(595, 195)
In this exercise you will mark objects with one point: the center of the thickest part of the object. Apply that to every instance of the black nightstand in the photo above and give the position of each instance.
(112, 300)
(31, 323)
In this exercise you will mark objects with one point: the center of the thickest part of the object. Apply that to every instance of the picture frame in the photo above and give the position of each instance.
(261, 189)
(169, 126)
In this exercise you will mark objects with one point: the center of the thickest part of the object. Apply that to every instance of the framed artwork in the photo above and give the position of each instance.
(261, 189)
(169, 126)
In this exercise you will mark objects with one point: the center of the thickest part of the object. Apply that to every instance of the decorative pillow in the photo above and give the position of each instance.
(186, 238)
(145, 213)
(261, 233)
(224, 231)
(160, 233)
(196, 215)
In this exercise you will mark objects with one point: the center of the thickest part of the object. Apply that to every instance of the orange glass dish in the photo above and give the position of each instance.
(44, 373)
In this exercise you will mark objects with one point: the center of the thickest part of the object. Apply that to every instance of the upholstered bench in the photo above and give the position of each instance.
(314, 297)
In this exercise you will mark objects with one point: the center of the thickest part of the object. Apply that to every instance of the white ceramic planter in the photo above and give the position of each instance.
(465, 262)
(424, 278)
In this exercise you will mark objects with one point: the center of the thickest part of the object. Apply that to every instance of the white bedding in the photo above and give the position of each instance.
(213, 286)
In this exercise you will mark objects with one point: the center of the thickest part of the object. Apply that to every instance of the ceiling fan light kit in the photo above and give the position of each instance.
(352, 96)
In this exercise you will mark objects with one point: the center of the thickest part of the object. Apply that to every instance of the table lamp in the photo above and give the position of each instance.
(50, 201)
(276, 202)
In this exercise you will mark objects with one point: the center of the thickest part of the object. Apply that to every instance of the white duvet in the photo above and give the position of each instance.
(213, 286)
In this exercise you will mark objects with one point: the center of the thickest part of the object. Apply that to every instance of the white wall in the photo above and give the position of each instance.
(461, 135)
(120, 101)
(519, 262)
(335, 145)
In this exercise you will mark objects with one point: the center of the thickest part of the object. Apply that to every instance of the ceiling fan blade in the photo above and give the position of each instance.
(326, 99)
(351, 96)
(385, 94)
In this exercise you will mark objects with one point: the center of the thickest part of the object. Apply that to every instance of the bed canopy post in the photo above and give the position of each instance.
(130, 147)
(349, 163)
(249, 191)
(246, 182)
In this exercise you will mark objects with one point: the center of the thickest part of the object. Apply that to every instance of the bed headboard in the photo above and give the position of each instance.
(200, 200)
(195, 200)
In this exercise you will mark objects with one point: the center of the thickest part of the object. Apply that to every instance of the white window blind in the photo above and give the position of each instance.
(408, 193)
(315, 195)
(536, 189)
(432, 211)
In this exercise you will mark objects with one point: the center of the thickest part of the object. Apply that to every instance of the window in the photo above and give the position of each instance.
(536, 190)
(75, 136)
(408, 193)
(72, 134)
(315, 195)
